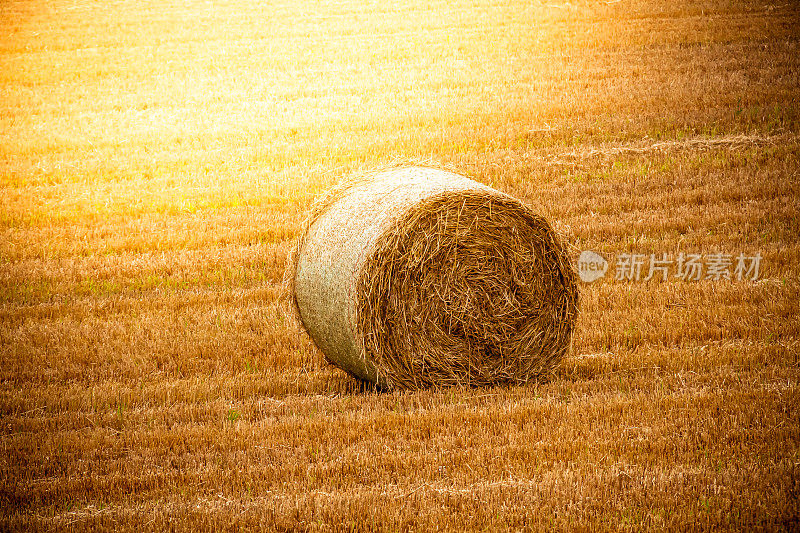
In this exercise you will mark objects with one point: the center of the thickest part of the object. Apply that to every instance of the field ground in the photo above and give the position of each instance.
(155, 163)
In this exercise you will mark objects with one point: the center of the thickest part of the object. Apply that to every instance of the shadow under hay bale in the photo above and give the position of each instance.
(416, 277)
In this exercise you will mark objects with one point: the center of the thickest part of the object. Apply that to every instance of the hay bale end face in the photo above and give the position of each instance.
(417, 277)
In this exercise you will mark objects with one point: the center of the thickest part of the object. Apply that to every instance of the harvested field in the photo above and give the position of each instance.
(156, 162)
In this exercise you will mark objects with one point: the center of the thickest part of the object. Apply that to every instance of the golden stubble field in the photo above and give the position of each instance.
(155, 163)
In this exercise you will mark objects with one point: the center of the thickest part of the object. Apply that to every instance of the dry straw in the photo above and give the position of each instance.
(416, 277)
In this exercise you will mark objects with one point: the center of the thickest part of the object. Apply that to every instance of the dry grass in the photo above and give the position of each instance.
(155, 161)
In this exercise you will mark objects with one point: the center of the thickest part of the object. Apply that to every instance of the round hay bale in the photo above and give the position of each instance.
(416, 277)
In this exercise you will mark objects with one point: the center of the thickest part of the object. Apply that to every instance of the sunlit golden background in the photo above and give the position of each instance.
(157, 158)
